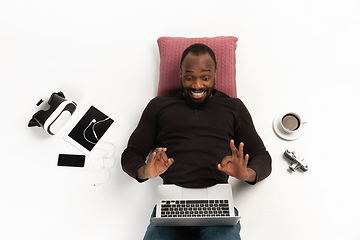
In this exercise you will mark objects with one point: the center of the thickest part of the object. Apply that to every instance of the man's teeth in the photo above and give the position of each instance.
(197, 94)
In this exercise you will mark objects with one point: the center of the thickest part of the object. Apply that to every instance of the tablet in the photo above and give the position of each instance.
(91, 127)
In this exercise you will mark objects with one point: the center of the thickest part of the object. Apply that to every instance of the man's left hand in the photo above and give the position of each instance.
(236, 164)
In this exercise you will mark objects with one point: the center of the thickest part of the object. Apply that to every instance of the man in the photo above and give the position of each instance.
(195, 132)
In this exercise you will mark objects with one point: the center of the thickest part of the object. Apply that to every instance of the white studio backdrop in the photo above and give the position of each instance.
(299, 55)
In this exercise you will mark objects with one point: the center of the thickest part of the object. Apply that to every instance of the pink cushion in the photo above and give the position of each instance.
(171, 49)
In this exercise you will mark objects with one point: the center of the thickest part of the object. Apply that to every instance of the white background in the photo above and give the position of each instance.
(300, 55)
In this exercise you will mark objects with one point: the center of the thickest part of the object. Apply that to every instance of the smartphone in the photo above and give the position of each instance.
(71, 160)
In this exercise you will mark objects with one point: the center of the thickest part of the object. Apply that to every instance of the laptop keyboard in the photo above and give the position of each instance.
(195, 208)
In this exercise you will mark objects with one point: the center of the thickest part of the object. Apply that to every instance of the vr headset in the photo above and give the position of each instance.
(52, 119)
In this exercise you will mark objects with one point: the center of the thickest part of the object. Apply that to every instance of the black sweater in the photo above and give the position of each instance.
(197, 140)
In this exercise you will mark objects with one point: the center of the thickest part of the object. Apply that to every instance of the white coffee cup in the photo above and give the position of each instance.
(291, 122)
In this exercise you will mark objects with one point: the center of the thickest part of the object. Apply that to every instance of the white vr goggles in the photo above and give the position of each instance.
(55, 117)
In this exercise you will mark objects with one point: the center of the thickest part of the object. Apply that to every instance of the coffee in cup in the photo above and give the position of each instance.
(291, 122)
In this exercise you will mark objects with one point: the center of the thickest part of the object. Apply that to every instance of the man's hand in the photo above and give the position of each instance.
(157, 164)
(236, 164)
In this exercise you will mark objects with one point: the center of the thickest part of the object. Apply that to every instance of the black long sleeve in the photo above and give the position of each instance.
(197, 140)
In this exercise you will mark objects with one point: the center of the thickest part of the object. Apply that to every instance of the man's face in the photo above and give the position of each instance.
(198, 77)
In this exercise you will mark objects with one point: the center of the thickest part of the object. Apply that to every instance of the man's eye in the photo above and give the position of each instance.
(206, 78)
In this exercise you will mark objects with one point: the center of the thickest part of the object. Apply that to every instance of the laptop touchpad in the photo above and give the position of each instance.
(194, 193)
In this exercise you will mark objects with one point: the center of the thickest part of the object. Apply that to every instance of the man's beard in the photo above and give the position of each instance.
(197, 105)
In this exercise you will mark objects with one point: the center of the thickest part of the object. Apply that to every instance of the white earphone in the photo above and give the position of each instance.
(108, 157)
(93, 129)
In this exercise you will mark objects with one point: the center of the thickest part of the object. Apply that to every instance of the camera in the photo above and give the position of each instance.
(296, 160)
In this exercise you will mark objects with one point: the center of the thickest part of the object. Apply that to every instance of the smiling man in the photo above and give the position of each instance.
(195, 132)
(198, 70)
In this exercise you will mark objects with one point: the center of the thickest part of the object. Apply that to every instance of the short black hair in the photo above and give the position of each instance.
(198, 49)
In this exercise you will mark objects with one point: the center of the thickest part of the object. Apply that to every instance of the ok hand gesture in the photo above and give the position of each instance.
(236, 164)
(157, 164)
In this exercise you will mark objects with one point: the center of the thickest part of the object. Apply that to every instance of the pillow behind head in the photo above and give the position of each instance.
(171, 49)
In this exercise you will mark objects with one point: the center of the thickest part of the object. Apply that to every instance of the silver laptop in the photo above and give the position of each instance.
(212, 206)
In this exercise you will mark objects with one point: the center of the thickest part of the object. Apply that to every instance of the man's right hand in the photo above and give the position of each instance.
(157, 164)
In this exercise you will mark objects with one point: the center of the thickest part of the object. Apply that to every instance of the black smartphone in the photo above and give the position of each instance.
(71, 160)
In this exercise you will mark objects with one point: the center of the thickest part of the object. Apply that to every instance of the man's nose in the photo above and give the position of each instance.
(197, 83)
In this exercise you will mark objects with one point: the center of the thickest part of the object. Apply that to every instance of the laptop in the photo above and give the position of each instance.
(178, 206)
